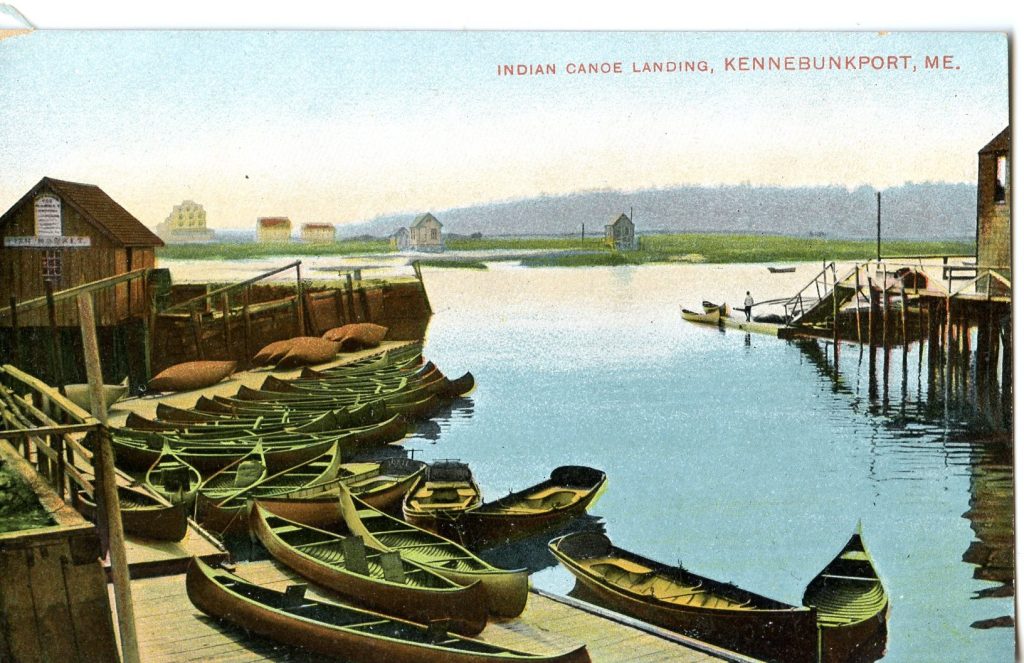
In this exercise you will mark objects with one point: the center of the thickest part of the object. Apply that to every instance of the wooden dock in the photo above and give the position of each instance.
(171, 629)
(146, 405)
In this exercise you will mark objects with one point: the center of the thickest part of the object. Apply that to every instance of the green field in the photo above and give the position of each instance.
(713, 248)
(247, 250)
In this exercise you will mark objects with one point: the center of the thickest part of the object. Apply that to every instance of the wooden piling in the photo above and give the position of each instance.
(300, 301)
(103, 468)
(856, 299)
(225, 309)
(885, 316)
(197, 330)
(339, 306)
(903, 314)
(246, 324)
(949, 347)
(872, 304)
(15, 340)
(56, 358)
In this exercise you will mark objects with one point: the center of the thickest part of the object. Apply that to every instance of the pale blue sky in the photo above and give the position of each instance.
(344, 126)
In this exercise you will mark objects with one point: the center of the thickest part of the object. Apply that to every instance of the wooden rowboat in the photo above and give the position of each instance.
(705, 318)
(506, 590)
(441, 497)
(782, 270)
(852, 606)
(332, 629)
(375, 579)
(675, 599)
(566, 494)
(143, 515)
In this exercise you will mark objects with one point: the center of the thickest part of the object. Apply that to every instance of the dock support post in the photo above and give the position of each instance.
(949, 347)
(872, 305)
(56, 360)
(225, 309)
(885, 316)
(903, 314)
(246, 325)
(351, 298)
(1006, 334)
(300, 302)
(856, 282)
(197, 330)
(15, 334)
(103, 469)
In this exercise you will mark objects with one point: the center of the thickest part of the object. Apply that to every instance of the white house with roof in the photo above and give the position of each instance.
(425, 234)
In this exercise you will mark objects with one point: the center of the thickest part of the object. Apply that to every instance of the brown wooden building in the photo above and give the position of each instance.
(995, 229)
(69, 234)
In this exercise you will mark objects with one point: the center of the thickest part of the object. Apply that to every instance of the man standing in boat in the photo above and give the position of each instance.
(748, 304)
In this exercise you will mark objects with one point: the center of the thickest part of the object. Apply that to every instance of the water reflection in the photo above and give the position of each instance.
(532, 553)
(964, 417)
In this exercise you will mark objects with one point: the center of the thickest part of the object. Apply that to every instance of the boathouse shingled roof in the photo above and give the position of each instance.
(97, 208)
(1000, 144)
(423, 218)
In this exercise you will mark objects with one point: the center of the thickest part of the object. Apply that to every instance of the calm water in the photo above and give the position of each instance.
(745, 458)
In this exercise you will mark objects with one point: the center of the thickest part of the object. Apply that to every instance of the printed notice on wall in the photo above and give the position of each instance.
(48, 216)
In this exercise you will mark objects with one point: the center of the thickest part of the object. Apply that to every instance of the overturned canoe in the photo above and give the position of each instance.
(378, 580)
(506, 590)
(332, 629)
(852, 606)
(673, 598)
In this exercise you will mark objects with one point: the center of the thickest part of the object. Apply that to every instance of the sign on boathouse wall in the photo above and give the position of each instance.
(49, 229)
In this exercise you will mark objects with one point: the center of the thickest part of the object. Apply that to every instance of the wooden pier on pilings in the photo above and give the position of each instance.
(963, 322)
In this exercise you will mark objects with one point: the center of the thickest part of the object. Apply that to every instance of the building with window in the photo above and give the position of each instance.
(425, 234)
(620, 234)
(273, 229)
(68, 234)
(186, 223)
(995, 227)
(317, 233)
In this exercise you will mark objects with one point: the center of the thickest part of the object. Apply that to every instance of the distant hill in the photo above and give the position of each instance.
(912, 211)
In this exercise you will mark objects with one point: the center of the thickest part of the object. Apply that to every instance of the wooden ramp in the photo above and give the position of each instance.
(171, 629)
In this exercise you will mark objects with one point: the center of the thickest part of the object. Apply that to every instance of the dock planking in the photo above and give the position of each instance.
(170, 628)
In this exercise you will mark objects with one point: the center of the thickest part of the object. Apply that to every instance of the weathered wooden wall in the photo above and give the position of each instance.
(21, 271)
(272, 313)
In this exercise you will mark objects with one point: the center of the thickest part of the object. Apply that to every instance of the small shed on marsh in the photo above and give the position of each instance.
(400, 239)
(68, 234)
(425, 233)
(620, 233)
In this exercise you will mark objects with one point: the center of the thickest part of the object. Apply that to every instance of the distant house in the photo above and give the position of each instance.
(273, 229)
(995, 229)
(425, 233)
(620, 234)
(400, 240)
(186, 223)
(317, 233)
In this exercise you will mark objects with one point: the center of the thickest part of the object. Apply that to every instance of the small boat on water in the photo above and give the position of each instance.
(566, 494)
(724, 310)
(333, 629)
(782, 270)
(441, 496)
(143, 515)
(507, 590)
(852, 606)
(711, 318)
(378, 580)
(676, 599)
